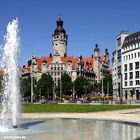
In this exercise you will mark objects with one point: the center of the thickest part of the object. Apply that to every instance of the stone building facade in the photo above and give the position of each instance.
(91, 68)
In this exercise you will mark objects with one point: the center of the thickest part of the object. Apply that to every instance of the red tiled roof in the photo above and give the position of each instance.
(1, 73)
(110, 71)
(39, 61)
(88, 62)
(102, 58)
(25, 70)
(70, 58)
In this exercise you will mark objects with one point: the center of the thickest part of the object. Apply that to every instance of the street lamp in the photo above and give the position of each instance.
(32, 82)
(102, 83)
(60, 89)
(108, 88)
(121, 91)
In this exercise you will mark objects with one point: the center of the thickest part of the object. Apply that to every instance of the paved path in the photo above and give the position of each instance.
(131, 115)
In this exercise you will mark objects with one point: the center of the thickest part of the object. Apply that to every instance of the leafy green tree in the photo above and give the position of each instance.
(45, 86)
(80, 85)
(1, 84)
(97, 87)
(107, 84)
(25, 87)
(66, 84)
(89, 88)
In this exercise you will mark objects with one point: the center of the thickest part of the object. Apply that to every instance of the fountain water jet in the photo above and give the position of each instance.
(10, 115)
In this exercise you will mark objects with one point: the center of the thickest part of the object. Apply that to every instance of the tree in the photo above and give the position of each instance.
(89, 88)
(1, 87)
(107, 84)
(1, 84)
(66, 84)
(45, 86)
(25, 87)
(80, 86)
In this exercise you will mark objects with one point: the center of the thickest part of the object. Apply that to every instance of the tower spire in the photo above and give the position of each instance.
(60, 39)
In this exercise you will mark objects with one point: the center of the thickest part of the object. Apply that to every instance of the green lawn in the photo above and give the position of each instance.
(54, 108)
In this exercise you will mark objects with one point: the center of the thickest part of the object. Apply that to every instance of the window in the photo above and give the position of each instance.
(137, 82)
(124, 58)
(51, 67)
(137, 74)
(130, 75)
(125, 76)
(119, 52)
(119, 41)
(136, 65)
(135, 55)
(119, 59)
(132, 56)
(138, 54)
(119, 69)
(125, 67)
(130, 66)
(125, 83)
(61, 68)
(131, 83)
(58, 68)
(54, 68)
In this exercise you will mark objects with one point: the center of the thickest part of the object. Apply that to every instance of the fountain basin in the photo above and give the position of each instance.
(73, 129)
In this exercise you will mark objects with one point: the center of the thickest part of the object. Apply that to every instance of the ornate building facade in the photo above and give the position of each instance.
(91, 68)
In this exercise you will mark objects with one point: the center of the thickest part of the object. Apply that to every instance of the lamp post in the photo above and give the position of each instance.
(121, 92)
(60, 89)
(102, 83)
(73, 92)
(102, 86)
(108, 88)
(32, 82)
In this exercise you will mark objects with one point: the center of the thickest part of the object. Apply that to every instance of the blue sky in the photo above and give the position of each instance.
(87, 22)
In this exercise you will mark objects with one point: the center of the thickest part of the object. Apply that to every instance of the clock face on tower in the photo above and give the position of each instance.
(55, 51)
(61, 42)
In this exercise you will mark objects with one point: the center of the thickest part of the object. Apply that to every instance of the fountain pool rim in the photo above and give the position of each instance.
(94, 119)
(36, 126)
(40, 120)
(47, 126)
(120, 116)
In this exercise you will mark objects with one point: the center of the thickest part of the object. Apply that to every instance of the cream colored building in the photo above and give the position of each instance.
(91, 68)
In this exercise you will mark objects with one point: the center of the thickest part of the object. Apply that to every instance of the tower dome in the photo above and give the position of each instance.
(59, 28)
(96, 49)
(59, 39)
